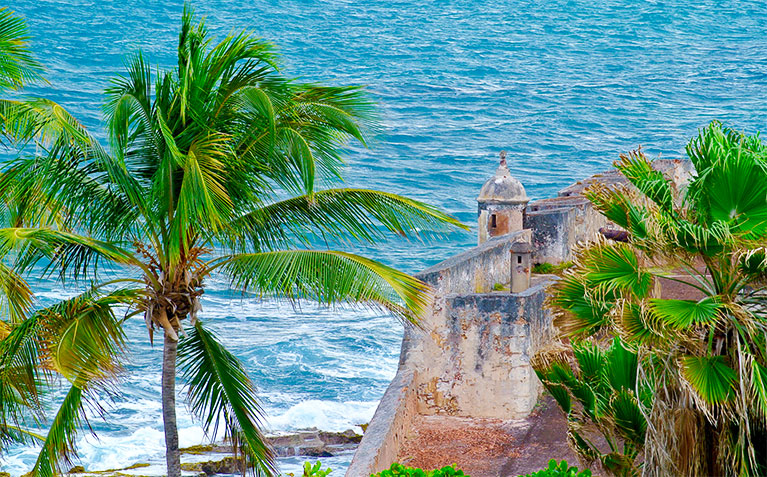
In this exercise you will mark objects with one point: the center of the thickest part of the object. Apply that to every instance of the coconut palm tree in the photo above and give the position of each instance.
(20, 121)
(219, 166)
(703, 352)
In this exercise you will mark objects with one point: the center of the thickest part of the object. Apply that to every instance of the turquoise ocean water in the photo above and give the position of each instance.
(563, 86)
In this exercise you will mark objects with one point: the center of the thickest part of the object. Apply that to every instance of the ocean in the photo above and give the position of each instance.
(563, 86)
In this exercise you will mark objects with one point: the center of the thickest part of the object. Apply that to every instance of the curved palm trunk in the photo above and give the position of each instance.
(172, 454)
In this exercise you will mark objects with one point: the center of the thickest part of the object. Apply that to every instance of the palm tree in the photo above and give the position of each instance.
(703, 353)
(594, 386)
(218, 166)
(20, 121)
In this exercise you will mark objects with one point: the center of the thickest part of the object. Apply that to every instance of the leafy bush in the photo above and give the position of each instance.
(314, 470)
(399, 470)
(560, 469)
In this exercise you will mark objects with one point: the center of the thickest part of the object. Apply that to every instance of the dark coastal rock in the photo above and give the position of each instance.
(227, 465)
(309, 442)
(315, 452)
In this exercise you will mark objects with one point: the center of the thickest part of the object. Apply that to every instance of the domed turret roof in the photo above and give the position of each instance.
(502, 187)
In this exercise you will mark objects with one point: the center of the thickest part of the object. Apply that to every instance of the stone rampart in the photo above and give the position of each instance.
(471, 356)
(477, 270)
(475, 360)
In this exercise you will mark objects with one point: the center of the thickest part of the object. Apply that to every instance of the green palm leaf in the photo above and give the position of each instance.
(579, 312)
(711, 378)
(329, 277)
(20, 373)
(639, 171)
(220, 392)
(620, 367)
(84, 340)
(66, 252)
(340, 213)
(59, 445)
(614, 267)
(616, 205)
(17, 65)
(731, 185)
(628, 417)
(682, 314)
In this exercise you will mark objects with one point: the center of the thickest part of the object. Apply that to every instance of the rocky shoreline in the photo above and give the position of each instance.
(216, 459)
(310, 443)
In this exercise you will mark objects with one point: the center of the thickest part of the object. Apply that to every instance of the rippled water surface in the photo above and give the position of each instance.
(564, 86)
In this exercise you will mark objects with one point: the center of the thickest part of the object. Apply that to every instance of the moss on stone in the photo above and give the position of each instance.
(198, 449)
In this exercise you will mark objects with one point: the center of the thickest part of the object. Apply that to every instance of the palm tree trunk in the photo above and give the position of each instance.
(172, 454)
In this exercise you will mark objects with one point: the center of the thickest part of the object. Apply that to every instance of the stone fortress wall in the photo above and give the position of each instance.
(471, 356)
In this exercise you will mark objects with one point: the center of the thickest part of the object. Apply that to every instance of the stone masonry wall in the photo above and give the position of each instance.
(471, 356)
(475, 361)
(560, 223)
(474, 271)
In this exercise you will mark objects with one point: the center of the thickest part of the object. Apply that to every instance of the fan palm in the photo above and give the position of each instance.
(595, 389)
(704, 351)
(218, 166)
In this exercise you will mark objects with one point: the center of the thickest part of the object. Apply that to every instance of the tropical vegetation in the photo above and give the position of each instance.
(685, 294)
(560, 469)
(220, 166)
(399, 470)
(595, 387)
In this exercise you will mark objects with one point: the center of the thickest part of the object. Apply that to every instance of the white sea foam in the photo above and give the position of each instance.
(325, 415)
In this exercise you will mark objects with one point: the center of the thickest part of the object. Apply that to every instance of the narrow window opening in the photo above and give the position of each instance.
(492, 221)
(519, 258)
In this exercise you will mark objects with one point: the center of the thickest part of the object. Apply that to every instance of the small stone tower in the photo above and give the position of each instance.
(501, 204)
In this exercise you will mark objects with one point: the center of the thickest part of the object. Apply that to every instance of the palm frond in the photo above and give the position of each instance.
(639, 171)
(15, 295)
(338, 214)
(59, 446)
(711, 378)
(20, 373)
(615, 267)
(17, 65)
(83, 339)
(66, 252)
(220, 393)
(329, 277)
(682, 314)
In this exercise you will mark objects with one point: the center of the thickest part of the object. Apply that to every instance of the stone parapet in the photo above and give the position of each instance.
(475, 271)
(475, 360)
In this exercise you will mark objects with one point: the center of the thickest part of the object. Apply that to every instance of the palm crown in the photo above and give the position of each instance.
(702, 355)
(215, 166)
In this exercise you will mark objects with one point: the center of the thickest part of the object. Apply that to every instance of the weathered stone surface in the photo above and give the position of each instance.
(388, 428)
(476, 270)
(471, 357)
(227, 465)
(476, 363)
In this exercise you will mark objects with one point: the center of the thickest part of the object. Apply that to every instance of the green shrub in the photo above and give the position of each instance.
(399, 470)
(549, 269)
(560, 469)
(313, 470)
